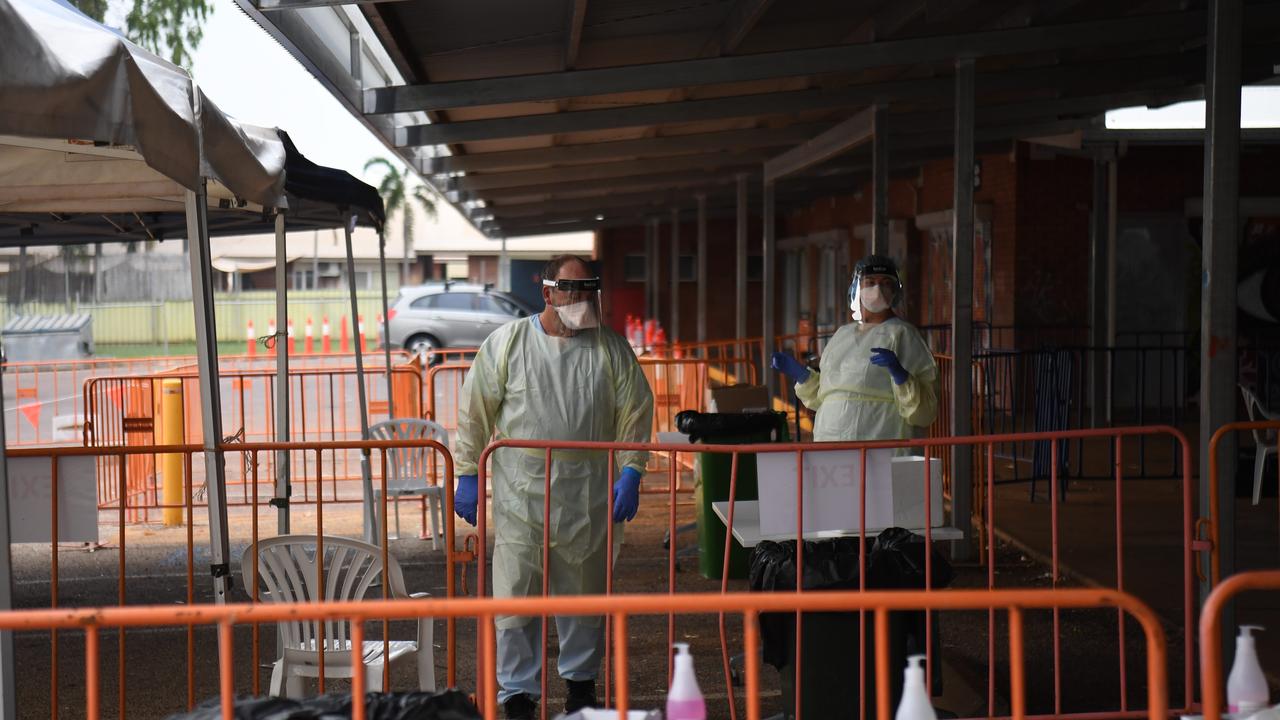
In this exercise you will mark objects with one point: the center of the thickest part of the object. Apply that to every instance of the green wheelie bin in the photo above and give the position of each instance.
(713, 477)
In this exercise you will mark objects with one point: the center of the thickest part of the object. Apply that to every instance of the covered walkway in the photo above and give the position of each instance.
(734, 158)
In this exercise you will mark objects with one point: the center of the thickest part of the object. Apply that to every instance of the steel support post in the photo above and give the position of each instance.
(880, 182)
(740, 246)
(1221, 237)
(282, 377)
(961, 309)
(210, 399)
(675, 276)
(702, 268)
(769, 250)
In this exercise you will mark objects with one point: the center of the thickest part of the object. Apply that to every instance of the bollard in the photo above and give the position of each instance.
(310, 346)
(171, 433)
(326, 342)
(252, 348)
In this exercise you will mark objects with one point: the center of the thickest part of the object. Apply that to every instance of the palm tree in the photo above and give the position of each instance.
(400, 194)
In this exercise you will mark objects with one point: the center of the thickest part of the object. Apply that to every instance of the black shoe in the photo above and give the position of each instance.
(582, 694)
(520, 707)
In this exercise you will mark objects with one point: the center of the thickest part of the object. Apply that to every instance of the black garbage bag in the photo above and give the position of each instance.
(828, 565)
(710, 426)
(895, 561)
(447, 705)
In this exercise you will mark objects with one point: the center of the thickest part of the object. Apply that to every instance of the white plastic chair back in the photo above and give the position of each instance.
(410, 468)
(289, 572)
(1251, 403)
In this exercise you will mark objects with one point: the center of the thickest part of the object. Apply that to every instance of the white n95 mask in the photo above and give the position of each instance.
(873, 299)
(577, 316)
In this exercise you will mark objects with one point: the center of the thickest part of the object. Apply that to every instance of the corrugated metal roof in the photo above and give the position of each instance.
(501, 75)
(33, 324)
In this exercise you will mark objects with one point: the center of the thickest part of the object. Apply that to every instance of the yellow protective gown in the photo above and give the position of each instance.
(525, 384)
(856, 400)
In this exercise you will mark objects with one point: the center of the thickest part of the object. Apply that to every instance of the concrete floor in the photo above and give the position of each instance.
(1151, 531)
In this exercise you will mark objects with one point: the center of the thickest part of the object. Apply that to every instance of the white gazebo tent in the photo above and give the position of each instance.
(101, 140)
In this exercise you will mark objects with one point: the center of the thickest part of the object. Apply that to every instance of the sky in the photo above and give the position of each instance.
(252, 78)
(1259, 107)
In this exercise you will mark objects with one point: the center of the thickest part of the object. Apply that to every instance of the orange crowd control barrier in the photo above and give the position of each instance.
(1213, 523)
(126, 411)
(750, 348)
(260, 499)
(677, 384)
(930, 448)
(1212, 678)
(444, 391)
(50, 408)
(682, 384)
(619, 609)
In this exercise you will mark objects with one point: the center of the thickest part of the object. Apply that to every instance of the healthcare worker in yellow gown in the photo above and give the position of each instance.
(878, 379)
(558, 375)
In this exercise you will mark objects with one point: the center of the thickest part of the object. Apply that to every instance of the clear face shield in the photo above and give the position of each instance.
(576, 302)
(875, 289)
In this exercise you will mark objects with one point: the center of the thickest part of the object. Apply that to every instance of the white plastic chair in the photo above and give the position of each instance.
(1265, 442)
(409, 469)
(287, 568)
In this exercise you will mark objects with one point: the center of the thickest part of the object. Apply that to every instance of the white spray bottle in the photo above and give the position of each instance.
(684, 701)
(915, 703)
(1246, 685)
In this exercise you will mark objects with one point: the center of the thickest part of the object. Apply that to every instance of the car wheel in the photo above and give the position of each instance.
(423, 345)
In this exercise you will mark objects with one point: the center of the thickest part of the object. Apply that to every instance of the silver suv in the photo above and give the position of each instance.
(441, 315)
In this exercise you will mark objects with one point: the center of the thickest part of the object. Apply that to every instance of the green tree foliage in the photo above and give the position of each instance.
(96, 9)
(400, 194)
(170, 28)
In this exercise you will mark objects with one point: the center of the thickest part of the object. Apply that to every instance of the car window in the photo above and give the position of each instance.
(496, 305)
(426, 302)
(454, 301)
(511, 306)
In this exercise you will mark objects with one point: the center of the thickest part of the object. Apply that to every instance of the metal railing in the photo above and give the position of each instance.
(619, 610)
(126, 410)
(49, 409)
(930, 448)
(260, 498)
(1212, 525)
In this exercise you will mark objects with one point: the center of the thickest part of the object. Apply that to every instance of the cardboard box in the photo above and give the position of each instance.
(738, 399)
(895, 493)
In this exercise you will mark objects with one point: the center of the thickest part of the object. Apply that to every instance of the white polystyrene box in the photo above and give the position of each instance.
(895, 493)
(909, 492)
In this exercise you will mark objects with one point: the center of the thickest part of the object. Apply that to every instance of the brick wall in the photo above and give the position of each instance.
(1040, 207)
(625, 298)
(1053, 209)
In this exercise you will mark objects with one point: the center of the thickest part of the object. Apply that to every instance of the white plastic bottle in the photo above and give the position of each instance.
(915, 703)
(684, 701)
(1246, 685)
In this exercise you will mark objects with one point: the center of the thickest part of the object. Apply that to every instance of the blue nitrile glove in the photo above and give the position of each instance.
(465, 497)
(888, 360)
(626, 495)
(789, 366)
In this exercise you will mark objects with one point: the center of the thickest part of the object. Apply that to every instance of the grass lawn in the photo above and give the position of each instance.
(157, 350)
